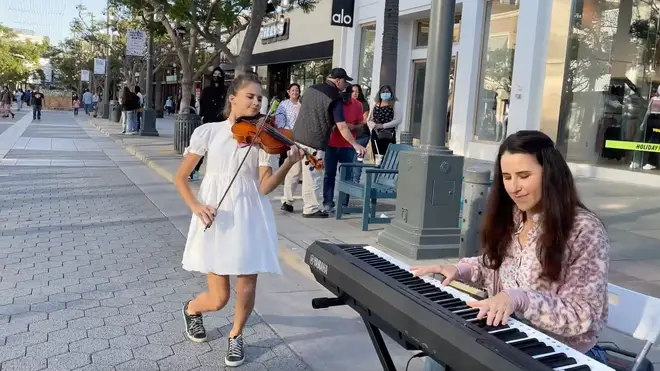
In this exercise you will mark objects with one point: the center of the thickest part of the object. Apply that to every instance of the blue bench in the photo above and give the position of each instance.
(380, 183)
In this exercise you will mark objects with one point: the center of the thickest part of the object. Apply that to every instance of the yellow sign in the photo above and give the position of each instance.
(632, 146)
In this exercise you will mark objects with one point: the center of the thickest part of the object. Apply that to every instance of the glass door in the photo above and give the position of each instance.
(417, 100)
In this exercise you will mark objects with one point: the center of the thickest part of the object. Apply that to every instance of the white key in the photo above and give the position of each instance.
(559, 347)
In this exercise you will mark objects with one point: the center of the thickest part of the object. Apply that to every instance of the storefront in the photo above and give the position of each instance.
(480, 104)
(297, 48)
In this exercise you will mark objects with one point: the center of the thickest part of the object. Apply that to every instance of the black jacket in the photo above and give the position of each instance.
(315, 120)
(212, 103)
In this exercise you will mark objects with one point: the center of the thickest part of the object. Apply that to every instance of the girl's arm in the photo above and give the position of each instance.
(398, 117)
(269, 180)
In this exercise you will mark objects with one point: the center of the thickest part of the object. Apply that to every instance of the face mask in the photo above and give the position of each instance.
(216, 78)
(385, 96)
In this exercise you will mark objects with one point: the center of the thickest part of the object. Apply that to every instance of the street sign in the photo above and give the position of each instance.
(99, 66)
(84, 75)
(136, 43)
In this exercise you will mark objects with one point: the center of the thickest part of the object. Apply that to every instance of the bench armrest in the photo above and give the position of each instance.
(381, 171)
(354, 164)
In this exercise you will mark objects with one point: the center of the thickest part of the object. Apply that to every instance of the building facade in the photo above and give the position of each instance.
(297, 48)
(582, 71)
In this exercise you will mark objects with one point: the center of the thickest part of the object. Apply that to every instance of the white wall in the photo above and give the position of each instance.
(528, 74)
(303, 29)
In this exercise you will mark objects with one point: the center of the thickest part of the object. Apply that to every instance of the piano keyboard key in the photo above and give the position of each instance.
(532, 342)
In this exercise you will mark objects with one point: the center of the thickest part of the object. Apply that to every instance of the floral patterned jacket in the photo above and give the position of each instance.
(573, 309)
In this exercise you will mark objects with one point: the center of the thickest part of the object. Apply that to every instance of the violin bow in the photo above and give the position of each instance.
(262, 124)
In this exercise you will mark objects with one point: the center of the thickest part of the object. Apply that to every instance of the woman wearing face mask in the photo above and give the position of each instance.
(384, 118)
(545, 255)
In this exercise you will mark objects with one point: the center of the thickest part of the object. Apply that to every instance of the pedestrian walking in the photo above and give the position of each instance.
(242, 239)
(6, 99)
(129, 105)
(322, 109)
(19, 99)
(37, 101)
(285, 117)
(76, 106)
(87, 101)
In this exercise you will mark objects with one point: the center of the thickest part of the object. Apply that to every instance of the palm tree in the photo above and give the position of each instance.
(390, 44)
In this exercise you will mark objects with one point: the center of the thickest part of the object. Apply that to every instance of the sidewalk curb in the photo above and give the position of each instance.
(135, 152)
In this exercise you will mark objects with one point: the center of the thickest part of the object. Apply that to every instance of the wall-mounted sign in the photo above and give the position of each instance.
(342, 13)
(84, 75)
(99, 66)
(275, 31)
(136, 43)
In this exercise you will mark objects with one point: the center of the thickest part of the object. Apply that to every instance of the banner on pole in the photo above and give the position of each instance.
(99, 66)
(136, 43)
(84, 75)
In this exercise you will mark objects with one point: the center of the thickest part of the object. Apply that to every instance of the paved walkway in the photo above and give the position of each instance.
(90, 274)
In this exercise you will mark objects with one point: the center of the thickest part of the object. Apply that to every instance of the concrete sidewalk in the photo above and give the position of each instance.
(631, 214)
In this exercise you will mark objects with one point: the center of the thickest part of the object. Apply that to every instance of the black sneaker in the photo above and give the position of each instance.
(317, 214)
(286, 207)
(194, 326)
(235, 354)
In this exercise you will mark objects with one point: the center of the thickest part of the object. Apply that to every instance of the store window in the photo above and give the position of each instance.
(611, 85)
(309, 73)
(366, 60)
(422, 29)
(419, 75)
(499, 43)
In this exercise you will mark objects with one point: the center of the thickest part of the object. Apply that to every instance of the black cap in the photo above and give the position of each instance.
(339, 73)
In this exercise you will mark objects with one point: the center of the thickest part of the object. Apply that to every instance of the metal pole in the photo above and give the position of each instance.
(475, 199)
(106, 86)
(149, 118)
(441, 40)
(431, 172)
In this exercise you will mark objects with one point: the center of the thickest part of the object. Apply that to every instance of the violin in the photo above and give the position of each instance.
(262, 131)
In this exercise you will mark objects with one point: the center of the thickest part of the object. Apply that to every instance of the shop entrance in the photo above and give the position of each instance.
(417, 97)
(279, 77)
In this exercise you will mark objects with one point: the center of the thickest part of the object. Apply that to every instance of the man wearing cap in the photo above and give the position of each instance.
(321, 111)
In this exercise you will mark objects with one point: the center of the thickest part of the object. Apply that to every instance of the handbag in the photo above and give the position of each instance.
(385, 134)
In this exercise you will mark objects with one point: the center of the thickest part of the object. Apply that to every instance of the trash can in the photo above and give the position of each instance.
(115, 111)
(184, 125)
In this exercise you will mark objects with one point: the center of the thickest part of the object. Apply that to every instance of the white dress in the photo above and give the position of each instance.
(243, 237)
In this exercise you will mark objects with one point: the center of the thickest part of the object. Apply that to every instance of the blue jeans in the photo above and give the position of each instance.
(332, 158)
(597, 353)
(36, 112)
(356, 171)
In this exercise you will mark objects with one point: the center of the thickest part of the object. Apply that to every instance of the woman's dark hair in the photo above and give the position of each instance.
(558, 205)
(137, 89)
(361, 97)
(237, 84)
(382, 89)
(127, 93)
(289, 88)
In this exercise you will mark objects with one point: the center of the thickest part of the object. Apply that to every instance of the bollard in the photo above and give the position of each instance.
(475, 195)
(184, 125)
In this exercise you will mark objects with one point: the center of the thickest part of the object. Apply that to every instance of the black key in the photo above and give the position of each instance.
(538, 350)
(457, 308)
(579, 368)
(563, 362)
(531, 342)
(426, 290)
(454, 306)
(494, 328)
(510, 334)
(472, 313)
(438, 296)
(447, 302)
(398, 275)
(551, 359)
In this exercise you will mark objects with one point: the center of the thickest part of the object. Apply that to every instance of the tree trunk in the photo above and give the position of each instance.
(244, 57)
(390, 44)
(186, 90)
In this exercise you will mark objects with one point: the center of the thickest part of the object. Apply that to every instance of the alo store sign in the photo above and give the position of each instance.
(275, 32)
(342, 13)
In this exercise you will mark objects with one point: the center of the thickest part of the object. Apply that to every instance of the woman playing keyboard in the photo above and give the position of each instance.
(545, 256)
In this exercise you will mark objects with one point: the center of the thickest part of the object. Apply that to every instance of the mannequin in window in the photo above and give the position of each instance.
(649, 132)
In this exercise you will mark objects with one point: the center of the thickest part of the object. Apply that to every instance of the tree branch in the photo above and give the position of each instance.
(208, 61)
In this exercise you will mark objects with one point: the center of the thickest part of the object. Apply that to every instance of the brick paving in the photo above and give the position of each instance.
(90, 273)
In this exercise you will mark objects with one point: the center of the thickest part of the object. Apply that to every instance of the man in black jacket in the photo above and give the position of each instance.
(211, 106)
(321, 111)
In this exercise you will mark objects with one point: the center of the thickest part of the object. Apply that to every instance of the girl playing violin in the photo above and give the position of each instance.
(242, 239)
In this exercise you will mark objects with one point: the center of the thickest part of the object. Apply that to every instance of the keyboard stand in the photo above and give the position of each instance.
(379, 345)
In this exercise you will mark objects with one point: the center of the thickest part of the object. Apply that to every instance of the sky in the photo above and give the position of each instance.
(46, 17)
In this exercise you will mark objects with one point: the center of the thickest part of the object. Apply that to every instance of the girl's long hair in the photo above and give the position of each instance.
(558, 206)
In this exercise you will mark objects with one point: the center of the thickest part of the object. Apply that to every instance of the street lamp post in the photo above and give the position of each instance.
(426, 226)
(106, 86)
(149, 122)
